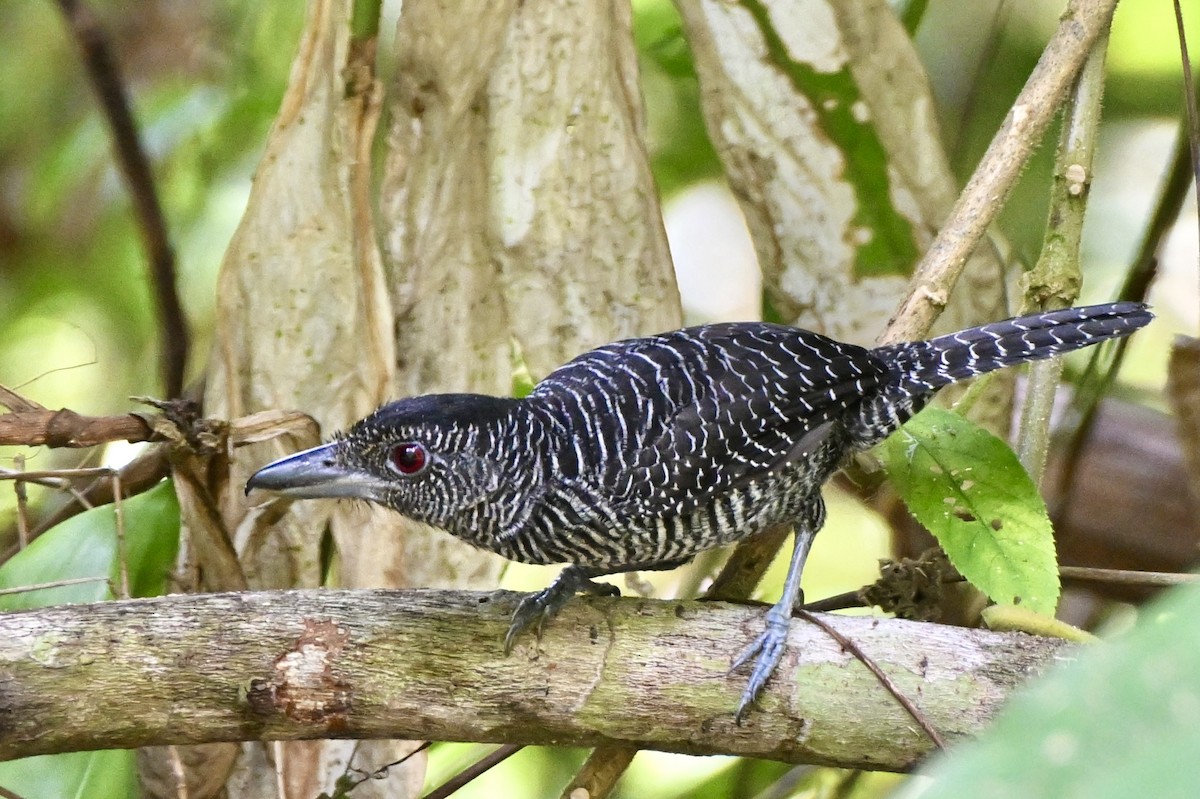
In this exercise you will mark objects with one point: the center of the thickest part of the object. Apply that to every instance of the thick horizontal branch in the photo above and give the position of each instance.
(429, 665)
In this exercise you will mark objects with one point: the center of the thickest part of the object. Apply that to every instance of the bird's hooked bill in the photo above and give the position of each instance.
(314, 474)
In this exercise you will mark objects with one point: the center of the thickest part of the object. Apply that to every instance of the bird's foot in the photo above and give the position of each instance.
(767, 650)
(536, 608)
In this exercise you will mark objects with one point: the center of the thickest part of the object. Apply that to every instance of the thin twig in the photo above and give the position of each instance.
(1105, 361)
(1126, 576)
(22, 504)
(786, 786)
(24, 589)
(1055, 279)
(47, 482)
(496, 757)
(847, 784)
(61, 479)
(842, 601)
(50, 479)
(178, 772)
(599, 774)
(105, 76)
(119, 519)
(382, 770)
(1189, 102)
(346, 783)
(16, 403)
(999, 168)
(49, 474)
(57, 369)
(7, 794)
(853, 648)
(747, 564)
(138, 476)
(985, 61)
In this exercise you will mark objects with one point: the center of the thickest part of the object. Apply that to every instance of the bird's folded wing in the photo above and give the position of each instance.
(742, 429)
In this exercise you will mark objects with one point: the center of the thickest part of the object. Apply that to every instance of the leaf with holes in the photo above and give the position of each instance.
(969, 489)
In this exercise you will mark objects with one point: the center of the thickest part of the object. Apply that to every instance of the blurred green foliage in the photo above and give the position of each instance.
(681, 152)
(110, 774)
(1123, 720)
(205, 81)
(87, 546)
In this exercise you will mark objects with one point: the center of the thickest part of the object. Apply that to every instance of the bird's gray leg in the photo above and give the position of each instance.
(537, 607)
(767, 649)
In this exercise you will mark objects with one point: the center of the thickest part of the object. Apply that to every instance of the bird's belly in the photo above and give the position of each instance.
(613, 545)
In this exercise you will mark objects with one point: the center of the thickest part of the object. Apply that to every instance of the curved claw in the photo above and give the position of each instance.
(545, 604)
(769, 648)
(534, 609)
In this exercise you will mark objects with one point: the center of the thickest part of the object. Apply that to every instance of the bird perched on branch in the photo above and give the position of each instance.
(640, 454)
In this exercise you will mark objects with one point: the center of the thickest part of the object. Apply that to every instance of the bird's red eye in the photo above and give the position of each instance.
(409, 457)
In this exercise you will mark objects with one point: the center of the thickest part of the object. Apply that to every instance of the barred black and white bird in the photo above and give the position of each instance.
(640, 454)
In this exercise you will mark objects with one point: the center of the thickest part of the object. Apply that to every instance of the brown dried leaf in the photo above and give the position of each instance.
(304, 316)
(779, 81)
(304, 324)
(520, 212)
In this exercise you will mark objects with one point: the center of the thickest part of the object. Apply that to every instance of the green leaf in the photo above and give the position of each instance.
(970, 490)
(1122, 720)
(86, 546)
(108, 774)
(910, 12)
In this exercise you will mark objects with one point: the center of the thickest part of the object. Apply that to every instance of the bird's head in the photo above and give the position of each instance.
(427, 457)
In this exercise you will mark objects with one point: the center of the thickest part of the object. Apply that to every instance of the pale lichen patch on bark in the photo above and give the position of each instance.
(305, 686)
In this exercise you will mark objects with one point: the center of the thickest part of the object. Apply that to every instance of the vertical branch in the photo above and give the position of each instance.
(135, 166)
(598, 776)
(22, 504)
(122, 550)
(1082, 23)
(1189, 100)
(1054, 280)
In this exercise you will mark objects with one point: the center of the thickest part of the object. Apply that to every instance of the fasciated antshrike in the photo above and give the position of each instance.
(640, 454)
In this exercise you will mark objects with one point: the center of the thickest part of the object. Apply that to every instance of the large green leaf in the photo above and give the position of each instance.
(1123, 720)
(970, 490)
(86, 546)
(110, 774)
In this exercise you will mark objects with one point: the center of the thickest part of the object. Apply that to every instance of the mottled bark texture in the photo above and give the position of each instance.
(378, 664)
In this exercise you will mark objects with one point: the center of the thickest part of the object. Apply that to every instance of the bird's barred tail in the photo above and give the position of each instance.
(929, 365)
